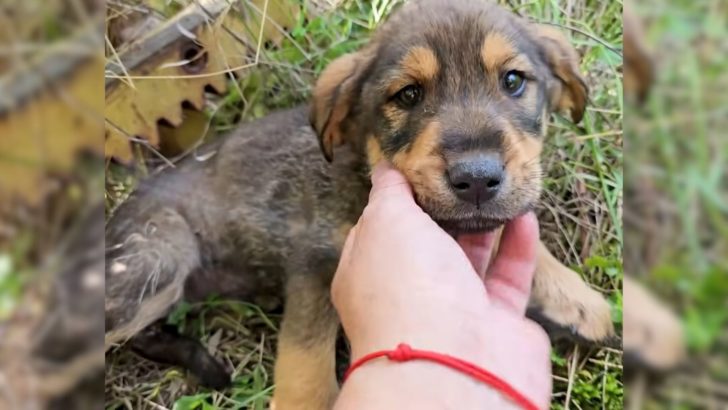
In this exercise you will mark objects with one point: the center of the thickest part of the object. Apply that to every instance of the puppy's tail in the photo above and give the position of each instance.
(149, 255)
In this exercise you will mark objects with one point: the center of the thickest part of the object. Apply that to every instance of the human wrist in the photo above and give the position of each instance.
(511, 349)
(468, 344)
(436, 327)
(383, 383)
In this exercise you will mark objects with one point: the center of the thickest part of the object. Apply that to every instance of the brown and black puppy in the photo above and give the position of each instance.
(454, 93)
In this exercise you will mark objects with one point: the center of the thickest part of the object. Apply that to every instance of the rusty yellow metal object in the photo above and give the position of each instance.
(201, 47)
(48, 113)
(52, 108)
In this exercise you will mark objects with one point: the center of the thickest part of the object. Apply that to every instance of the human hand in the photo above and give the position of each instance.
(401, 278)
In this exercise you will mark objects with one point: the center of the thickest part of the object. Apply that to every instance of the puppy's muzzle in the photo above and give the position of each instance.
(477, 178)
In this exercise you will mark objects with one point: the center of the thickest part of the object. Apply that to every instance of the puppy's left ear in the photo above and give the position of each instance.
(569, 91)
(333, 98)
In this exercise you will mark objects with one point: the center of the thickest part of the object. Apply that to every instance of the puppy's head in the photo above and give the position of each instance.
(455, 94)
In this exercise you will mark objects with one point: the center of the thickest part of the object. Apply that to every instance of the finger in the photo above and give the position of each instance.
(508, 281)
(346, 254)
(348, 244)
(388, 182)
(478, 248)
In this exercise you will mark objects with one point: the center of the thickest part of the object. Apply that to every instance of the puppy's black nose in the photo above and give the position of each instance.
(477, 179)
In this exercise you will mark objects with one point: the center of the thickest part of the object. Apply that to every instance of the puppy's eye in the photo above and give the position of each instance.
(409, 96)
(514, 83)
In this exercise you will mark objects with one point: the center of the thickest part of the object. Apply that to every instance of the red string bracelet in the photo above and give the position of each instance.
(404, 353)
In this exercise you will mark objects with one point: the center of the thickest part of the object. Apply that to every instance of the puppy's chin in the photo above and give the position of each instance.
(470, 225)
(458, 217)
(468, 222)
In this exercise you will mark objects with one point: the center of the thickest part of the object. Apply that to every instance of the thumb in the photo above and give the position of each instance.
(478, 248)
(344, 261)
(509, 279)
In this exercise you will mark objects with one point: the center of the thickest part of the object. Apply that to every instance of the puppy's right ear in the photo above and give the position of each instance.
(333, 98)
(570, 91)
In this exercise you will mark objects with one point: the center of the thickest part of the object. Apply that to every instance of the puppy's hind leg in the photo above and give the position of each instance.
(150, 254)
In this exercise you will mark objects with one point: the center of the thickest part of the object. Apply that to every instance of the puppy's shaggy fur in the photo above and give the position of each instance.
(454, 93)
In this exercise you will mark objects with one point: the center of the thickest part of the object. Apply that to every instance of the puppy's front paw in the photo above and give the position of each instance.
(582, 315)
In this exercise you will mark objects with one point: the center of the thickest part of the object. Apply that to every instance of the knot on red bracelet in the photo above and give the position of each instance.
(402, 353)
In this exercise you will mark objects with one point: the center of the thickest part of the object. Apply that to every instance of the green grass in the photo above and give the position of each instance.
(580, 217)
(679, 150)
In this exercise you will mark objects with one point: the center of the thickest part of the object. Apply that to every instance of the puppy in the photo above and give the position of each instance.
(455, 94)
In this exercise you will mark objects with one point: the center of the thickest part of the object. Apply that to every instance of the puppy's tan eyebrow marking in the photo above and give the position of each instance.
(498, 50)
(420, 63)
